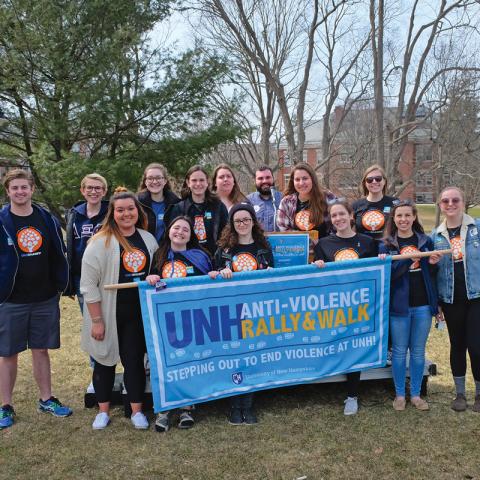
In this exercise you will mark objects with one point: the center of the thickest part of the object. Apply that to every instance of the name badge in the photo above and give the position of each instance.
(190, 270)
(386, 209)
(208, 215)
(160, 216)
(9, 241)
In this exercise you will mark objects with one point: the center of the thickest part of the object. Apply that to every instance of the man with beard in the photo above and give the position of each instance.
(266, 199)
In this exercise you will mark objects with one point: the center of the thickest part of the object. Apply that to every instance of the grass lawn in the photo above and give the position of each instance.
(302, 432)
(427, 215)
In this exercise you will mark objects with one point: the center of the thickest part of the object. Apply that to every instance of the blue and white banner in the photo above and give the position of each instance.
(289, 250)
(208, 339)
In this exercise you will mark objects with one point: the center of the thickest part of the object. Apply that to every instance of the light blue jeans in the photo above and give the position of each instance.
(409, 333)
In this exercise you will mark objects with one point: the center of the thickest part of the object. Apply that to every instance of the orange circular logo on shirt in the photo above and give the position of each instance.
(134, 261)
(302, 220)
(29, 240)
(179, 269)
(244, 262)
(199, 228)
(345, 254)
(411, 249)
(456, 244)
(373, 220)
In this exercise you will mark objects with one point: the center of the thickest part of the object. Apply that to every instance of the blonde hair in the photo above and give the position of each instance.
(363, 184)
(94, 176)
(18, 173)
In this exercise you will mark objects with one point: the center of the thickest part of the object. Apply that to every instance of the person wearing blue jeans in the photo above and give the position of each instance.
(413, 301)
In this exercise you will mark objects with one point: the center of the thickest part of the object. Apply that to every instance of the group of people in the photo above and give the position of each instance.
(213, 229)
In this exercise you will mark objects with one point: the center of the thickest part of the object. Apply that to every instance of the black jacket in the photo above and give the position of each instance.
(145, 199)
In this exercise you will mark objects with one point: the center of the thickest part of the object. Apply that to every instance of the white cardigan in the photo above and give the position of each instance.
(101, 266)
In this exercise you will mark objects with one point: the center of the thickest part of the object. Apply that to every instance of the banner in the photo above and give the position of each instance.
(208, 339)
(289, 250)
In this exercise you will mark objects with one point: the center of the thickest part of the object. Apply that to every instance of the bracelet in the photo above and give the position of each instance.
(97, 319)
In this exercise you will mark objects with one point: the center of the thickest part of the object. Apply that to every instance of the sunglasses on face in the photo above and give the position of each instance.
(447, 201)
(374, 179)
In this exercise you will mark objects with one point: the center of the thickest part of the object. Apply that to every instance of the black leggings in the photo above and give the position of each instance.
(131, 343)
(463, 322)
(353, 382)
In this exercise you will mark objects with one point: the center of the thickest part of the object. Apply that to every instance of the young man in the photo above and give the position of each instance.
(33, 270)
(83, 221)
(266, 199)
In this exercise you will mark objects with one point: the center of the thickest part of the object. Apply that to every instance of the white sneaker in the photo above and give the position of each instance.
(101, 421)
(139, 421)
(351, 406)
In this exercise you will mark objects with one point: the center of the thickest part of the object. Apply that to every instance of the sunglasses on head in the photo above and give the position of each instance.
(377, 179)
(447, 201)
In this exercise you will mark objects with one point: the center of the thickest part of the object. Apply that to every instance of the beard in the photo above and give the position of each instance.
(265, 189)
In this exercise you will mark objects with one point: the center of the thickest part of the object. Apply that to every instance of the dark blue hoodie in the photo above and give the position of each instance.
(9, 256)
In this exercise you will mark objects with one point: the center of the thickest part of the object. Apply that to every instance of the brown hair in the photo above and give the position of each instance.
(363, 184)
(186, 192)
(342, 202)
(94, 176)
(391, 229)
(18, 173)
(229, 237)
(236, 195)
(143, 185)
(110, 229)
(318, 203)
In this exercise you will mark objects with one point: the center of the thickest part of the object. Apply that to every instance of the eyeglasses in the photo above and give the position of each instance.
(242, 221)
(89, 188)
(453, 201)
(154, 179)
(374, 179)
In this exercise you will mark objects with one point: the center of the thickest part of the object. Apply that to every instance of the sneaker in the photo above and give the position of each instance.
(235, 417)
(459, 403)
(101, 421)
(162, 422)
(186, 419)
(389, 358)
(249, 416)
(139, 421)
(6, 416)
(54, 407)
(399, 404)
(476, 405)
(351, 406)
(419, 403)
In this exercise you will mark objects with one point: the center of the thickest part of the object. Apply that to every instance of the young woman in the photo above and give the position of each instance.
(208, 214)
(156, 197)
(345, 244)
(225, 185)
(304, 206)
(372, 211)
(458, 282)
(112, 323)
(413, 299)
(84, 219)
(179, 255)
(242, 248)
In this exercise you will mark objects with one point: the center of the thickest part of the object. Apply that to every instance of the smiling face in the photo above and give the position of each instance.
(341, 218)
(197, 183)
(302, 183)
(179, 235)
(155, 180)
(125, 214)
(243, 223)
(452, 204)
(93, 191)
(20, 192)
(264, 181)
(224, 181)
(404, 218)
(375, 182)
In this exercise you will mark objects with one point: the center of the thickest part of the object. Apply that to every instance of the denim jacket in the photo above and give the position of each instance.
(470, 238)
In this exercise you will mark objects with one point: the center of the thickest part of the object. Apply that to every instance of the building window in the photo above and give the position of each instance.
(286, 178)
(423, 153)
(305, 155)
(319, 157)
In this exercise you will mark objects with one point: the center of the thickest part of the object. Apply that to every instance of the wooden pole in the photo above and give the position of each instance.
(121, 286)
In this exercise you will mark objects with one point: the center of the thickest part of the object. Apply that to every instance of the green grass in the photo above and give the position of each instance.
(427, 215)
(302, 432)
